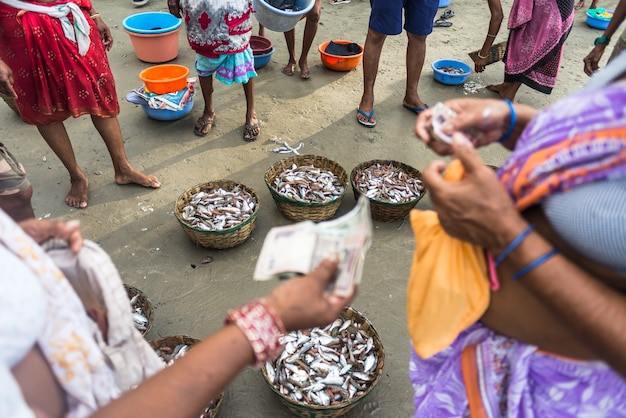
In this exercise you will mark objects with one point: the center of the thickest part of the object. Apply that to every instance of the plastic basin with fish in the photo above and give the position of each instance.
(278, 20)
(443, 71)
(262, 60)
(339, 62)
(306, 409)
(599, 18)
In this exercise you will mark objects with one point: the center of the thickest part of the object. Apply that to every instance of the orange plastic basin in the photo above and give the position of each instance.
(165, 78)
(339, 62)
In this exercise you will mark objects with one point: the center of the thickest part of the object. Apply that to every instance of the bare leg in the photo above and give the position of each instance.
(261, 30)
(109, 129)
(580, 4)
(290, 38)
(415, 55)
(371, 57)
(18, 205)
(205, 123)
(310, 30)
(56, 137)
(506, 90)
(251, 129)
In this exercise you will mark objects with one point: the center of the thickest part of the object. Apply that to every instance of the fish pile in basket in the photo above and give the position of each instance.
(218, 208)
(308, 184)
(325, 366)
(388, 183)
(139, 318)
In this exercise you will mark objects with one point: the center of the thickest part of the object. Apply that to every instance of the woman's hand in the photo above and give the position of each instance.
(483, 121)
(592, 60)
(304, 302)
(174, 7)
(43, 230)
(6, 80)
(105, 33)
(479, 64)
(477, 209)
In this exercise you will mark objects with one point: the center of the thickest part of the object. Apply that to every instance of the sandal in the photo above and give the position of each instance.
(442, 24)
(251, 132)
(203, 126)
(447, 14)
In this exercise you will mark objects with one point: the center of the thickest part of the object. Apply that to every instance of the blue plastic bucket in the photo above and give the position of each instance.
(281, 20)
(152, 23)
(262, 60)
(444, 3)
(166, 114)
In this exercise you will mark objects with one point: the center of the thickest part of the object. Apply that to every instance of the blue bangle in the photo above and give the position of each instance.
(508, 133)
(514, 244)
(535, 263)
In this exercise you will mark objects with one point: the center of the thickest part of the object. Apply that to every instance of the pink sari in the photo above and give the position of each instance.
(537, 32)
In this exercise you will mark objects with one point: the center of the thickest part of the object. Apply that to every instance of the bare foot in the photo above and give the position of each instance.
(504, 90)
(580, 5)
(132, 176)
(305, 73)
(289, 69)
(77, 196)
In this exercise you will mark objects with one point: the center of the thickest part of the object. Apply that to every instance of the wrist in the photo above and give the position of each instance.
(602, 40)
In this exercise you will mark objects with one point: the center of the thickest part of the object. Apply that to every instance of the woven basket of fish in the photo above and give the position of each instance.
(326, 372)
(10, 102)
(392, 187)
(307, 187)
(219, 214)
(170, 349)
(141, 309)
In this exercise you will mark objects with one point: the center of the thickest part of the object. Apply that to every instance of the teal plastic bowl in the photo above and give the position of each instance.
(262, 60)
(596, 20)
(447, 78)
(152, 23)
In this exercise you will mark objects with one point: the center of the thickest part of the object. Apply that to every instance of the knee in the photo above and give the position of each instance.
(18, 205)
(313, 16)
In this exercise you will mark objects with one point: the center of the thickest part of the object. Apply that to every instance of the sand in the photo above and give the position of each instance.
(137, 227)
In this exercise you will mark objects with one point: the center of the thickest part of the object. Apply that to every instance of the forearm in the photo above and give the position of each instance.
(594, 313)
(495, 9)
(185, 388)
(523, 115)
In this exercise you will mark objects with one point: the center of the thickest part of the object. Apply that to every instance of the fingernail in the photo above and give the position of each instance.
(73, 223)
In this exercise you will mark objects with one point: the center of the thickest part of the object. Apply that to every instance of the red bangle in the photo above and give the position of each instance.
(262, 327)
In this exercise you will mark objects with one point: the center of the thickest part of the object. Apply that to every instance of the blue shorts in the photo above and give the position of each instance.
(386, 16)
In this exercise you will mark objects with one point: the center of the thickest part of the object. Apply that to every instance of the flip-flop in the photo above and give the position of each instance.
(367, 124)
(333, 2)
(415, 110)
(442, 24)
(199, 130)
(447, 14)
(249, 133)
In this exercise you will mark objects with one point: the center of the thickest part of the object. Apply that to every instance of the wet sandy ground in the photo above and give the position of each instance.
(137, 227)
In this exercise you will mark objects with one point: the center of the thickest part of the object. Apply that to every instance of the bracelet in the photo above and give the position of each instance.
(491, 36)
(539, 261)
(514, 244)
(262, 327)
(95, 16)
(508, 133)
(480, 56)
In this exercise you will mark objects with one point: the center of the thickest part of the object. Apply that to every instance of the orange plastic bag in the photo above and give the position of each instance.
(448, 286)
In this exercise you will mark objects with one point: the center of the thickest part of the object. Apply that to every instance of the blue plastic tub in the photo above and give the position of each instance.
(447, 78)
(152, 23)
(444, 3)
(262, 60)
(597, 19)
(281, 20)
(164, 114)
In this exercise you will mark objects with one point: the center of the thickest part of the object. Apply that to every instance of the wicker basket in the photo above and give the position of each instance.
(305, 410)
(301, 211)
(222, 239)
(10, 102)
(144, 303)
(171, 342)
(496, 53)
(386, 211)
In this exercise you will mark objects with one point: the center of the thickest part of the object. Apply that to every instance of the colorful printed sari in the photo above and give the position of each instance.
(52, 80)
(537, 32)
(578, 141)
